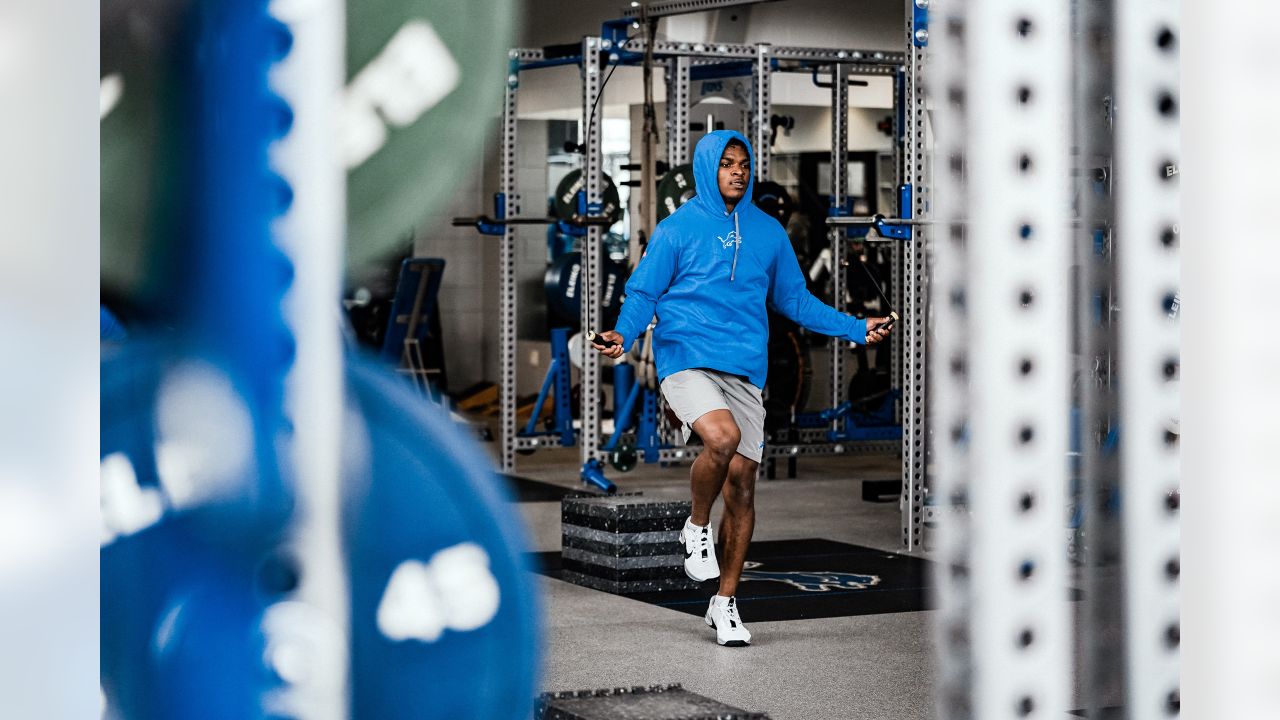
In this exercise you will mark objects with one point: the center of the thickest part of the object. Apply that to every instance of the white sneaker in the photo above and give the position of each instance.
(723, 616)
(699, 552)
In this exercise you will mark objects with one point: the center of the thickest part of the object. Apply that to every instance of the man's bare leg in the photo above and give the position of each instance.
(739, 521)
(720, 436)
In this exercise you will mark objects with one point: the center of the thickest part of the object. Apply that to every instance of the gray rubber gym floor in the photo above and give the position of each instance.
(870, 666)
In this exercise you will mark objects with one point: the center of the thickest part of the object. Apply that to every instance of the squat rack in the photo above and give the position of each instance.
(614, 47)
(1026, 92)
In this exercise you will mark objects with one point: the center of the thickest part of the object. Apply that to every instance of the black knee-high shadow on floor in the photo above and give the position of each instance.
(804, 579)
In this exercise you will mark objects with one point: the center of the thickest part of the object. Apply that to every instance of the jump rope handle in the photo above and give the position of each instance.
(596, 339)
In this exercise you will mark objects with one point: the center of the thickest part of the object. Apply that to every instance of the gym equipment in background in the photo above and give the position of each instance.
(563, 290)
(887, 228)
(616, 246)
(676, 188)
(596, 56)
(623, 454)
(558, 383)
(790, 374)
(414, 340)
(774, 200)
(566, 199)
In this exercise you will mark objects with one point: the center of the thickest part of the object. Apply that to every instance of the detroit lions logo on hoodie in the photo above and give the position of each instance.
(711, 305)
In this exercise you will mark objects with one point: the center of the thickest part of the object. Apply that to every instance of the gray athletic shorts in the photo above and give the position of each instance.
(694, 393)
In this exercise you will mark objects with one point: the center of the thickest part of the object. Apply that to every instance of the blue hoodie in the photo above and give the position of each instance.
(707, 275)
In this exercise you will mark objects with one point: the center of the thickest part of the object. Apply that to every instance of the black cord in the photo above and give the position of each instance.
(876, 284)
(591, 119)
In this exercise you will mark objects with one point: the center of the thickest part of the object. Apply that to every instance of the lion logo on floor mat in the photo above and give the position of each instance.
(811, 581)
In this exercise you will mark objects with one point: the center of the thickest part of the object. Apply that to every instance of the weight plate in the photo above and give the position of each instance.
(421, 77)
(566, 204)
(774, 200)
(180, 605)
(564, 304)
(676, 188)
(434, 512)
(624, 457)
(443, 609)
(560, 284)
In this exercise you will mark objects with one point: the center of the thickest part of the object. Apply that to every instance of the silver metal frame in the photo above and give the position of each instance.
(679, 58)
(948, 370)
(895, 259)
(664, 8)
(677, 78)
(761, 110)
(867, 61)
(678, 153)
(589, 282)
(837, 236)
(915, 276)
(507, 295)
(316, 617)
(1002, 415)
(1147, 207)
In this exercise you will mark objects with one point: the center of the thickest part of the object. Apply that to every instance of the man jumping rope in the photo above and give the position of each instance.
(709, 270)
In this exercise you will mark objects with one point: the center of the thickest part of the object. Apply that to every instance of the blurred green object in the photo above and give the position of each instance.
(676, 188)
(425, 81)
(139, 139)
(414, 173)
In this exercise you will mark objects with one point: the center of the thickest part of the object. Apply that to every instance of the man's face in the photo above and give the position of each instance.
(735, 171)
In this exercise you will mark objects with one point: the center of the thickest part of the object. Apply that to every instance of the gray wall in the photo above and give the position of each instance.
(468, 292)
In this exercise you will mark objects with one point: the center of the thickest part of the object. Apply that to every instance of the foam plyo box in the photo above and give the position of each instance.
(623, 543)
(656, 702)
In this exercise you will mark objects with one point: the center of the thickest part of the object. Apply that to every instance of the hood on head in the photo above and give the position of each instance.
(706, 170)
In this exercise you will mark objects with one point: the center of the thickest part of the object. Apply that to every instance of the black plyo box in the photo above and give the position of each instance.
(656, 702)
(624, 513)
(623, 543)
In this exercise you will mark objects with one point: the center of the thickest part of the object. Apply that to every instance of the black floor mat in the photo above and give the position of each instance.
(804, 579)
(526, 490)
